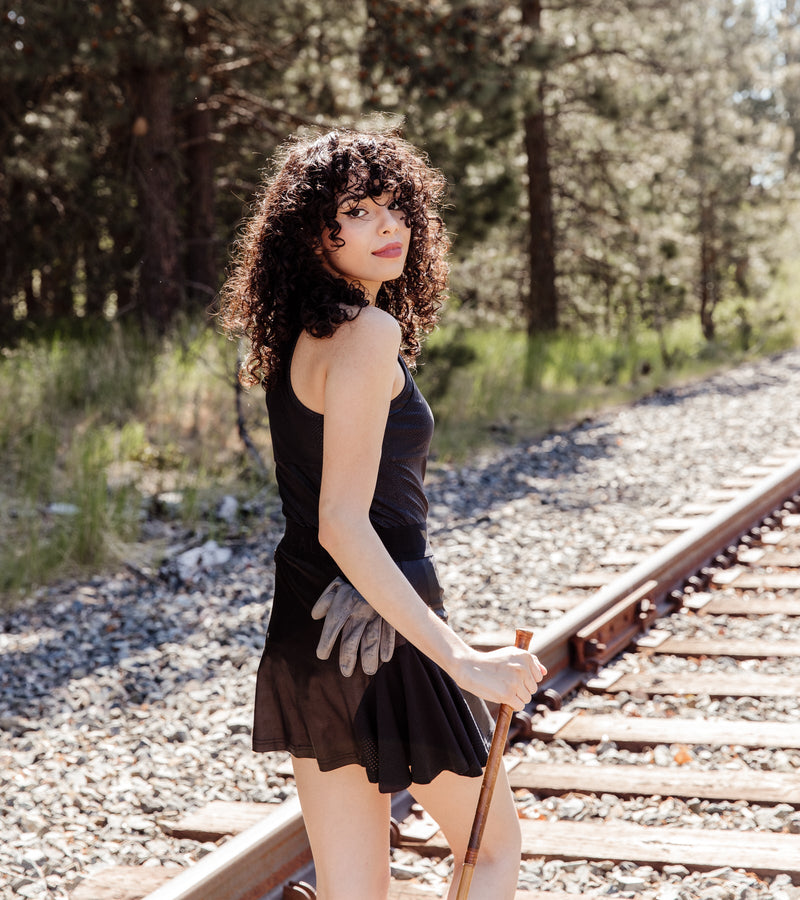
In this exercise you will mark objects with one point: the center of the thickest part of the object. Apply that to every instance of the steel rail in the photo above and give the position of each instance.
(252, 864)
(668, 567)
(255, 863)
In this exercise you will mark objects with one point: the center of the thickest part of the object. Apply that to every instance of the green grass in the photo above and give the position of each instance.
(95, 428)
(490, 385)
(105, 423)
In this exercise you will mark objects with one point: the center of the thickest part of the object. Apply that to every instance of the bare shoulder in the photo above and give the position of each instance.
(374, 322)
(360, 355)
(372, 332)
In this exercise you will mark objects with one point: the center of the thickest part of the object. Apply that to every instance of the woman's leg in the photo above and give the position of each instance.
(347, 820)
(451, 800)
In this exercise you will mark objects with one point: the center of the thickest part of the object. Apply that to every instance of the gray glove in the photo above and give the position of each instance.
(346, 611)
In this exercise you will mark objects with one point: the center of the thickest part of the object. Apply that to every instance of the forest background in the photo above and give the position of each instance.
(623, 204)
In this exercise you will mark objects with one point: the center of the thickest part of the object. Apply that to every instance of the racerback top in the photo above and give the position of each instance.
(297, 433)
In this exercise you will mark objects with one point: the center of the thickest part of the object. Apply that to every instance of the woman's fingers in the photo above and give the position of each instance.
(538, 672)
(509, 675)
(533, 672)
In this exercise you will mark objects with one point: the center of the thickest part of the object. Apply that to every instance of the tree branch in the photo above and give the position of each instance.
(241, 424)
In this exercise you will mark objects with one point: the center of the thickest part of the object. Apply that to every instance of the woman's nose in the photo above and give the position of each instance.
(388, 222)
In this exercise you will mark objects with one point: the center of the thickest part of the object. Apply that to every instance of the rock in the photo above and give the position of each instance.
(63, 509)
(406, 873)
(205, 558)
(228, 509)
(125, 699)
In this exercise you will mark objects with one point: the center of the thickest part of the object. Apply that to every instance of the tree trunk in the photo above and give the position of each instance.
(57, 280)
(541, 307)
(709, 276)
(160, 292)
(95, 285)
(201, 262)
(788, 26)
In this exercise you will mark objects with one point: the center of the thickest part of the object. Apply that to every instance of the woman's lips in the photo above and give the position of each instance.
(390, 251)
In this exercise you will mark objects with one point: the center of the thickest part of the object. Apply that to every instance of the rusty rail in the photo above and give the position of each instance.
(668, 568)
(256, 862)
(250, 865)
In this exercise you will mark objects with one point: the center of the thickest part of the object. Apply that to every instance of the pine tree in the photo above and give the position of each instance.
(133, 136)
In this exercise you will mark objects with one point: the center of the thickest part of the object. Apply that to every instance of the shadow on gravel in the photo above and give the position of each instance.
(150, 639)
(541, 467)
(144, 639)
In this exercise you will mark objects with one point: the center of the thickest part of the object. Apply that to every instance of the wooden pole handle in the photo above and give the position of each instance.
(490, 773)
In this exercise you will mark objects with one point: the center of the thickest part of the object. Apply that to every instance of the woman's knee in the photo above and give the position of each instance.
(502, 846)
(502, 836)
(451, 800)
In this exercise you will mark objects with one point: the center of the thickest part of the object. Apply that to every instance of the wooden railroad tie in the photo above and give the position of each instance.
(744, 604)
(765, 853)
(636, 733)
(136, 882)
(546, 779)
(123, 882)
(736, 649)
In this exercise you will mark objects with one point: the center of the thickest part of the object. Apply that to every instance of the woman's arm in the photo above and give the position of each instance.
(360, 364)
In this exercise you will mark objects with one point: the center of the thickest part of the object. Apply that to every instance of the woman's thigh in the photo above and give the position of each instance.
(347, 820)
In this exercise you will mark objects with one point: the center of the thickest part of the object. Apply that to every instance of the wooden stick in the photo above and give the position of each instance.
(490, 773)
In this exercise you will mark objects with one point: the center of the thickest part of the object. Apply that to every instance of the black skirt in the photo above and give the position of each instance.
(405, 724)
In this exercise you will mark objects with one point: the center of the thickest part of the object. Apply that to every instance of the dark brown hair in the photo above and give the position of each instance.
(277, 286)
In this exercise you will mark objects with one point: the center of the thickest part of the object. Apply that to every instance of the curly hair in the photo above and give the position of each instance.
(278, 287)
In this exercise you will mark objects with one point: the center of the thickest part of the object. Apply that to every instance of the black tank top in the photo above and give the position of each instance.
(297, 447)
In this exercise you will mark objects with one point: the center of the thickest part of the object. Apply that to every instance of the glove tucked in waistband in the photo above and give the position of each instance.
(346, 611)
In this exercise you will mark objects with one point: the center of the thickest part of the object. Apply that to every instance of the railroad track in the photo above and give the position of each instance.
(642, 638)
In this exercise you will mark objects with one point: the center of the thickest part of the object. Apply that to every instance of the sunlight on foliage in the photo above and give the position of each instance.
(95, 432)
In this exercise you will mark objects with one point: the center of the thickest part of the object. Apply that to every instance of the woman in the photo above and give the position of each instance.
(339, 273)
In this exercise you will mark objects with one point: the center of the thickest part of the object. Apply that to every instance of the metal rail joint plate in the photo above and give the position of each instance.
(604, 637)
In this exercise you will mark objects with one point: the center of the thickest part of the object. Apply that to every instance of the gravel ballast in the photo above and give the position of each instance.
(125, 701)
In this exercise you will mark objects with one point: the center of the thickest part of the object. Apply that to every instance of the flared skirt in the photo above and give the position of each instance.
(405, 724)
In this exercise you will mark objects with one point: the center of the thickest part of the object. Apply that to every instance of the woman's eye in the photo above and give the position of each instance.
(356, 212)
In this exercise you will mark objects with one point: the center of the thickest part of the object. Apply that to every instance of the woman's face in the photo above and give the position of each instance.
(376, 240)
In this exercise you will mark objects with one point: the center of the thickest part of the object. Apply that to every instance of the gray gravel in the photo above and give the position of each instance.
(126, 701)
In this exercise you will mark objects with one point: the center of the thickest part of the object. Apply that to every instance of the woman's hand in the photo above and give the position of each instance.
(508, 675)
